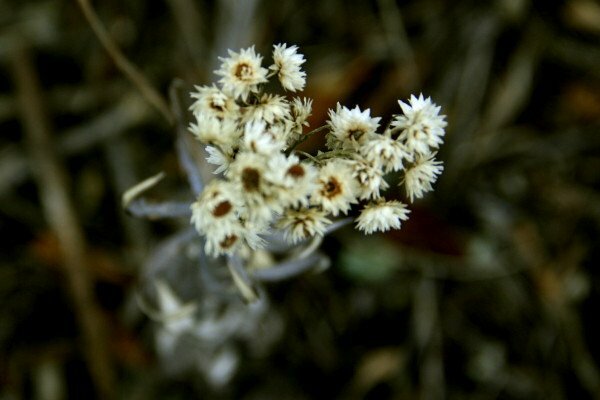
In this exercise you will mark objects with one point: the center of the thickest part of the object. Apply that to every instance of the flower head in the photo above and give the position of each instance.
(301, 109)
(241, 73)
(211, 129)
(336, 189)
(349, 129)
(369, 177)
(301, 224)
(421, 127)
(260, 139)
(221, 156)
(213, 102)
(295, 179)
(215, 215)
(382, 216)
(419, 178)
(386, 152)
(270, 108)
(287, 62)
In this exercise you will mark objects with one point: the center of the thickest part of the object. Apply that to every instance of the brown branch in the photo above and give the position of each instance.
(59, 212)
(130, 70)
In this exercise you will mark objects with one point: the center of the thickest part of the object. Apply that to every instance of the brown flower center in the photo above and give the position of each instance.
(222, 209)
(217, 106)
(242, 71)
(355, 133)
(250, 179)
(331, 188)
(228, 241)
(303, 225)
(296, 171)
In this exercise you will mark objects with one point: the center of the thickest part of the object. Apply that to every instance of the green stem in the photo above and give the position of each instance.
(306, 136)
(309, 156)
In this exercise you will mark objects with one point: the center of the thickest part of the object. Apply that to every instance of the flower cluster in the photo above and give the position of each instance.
(251, 135)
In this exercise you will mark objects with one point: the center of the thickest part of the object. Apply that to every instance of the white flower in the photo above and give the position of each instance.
(302, 224)
(281, 130)
(422, 128)
(215, 215)
(220, 156)
(295, 179)
(382, 216)
(336, 188)
(248, 168)
(260, 212)
(301, 109)
(213, 130)
(241, 73)
(386, 152)
(252, 234)
(418, 178)
(248, 172)
(224, 242)
(287, 62)
(258, 139)
(270, 108)
(349, 129)
(369, 177)
(212, 101)
(217, 208)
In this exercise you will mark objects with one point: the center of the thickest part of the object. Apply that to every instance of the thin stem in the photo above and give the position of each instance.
(196, 174)
(333, 153)
(130, 70)
(304, 137)
(340, 223)
(59, 211)
(309, 156)
(171, 209)
(288, 269)
(241, 280)
(311, 247)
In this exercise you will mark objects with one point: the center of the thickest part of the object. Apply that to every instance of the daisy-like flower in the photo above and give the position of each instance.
(301, 109)
(421, 126)
(213, 130)
(295, 179)
(247, 178)
(336, 188)
(218, 204)
(259, 139)
(248, 173)
(419, 178)
(298, 225)
(222, 157)
(215, 214)
(386, 152)
(212, 101)
(287, 62)
(224, 242)
(349, 129)
(269, 108)
(382, 216)
(241, 73)
(369, 177)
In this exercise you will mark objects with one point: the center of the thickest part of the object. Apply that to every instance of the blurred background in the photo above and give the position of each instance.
(489, 291)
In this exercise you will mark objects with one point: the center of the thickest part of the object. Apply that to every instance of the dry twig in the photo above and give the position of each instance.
(59, 211)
